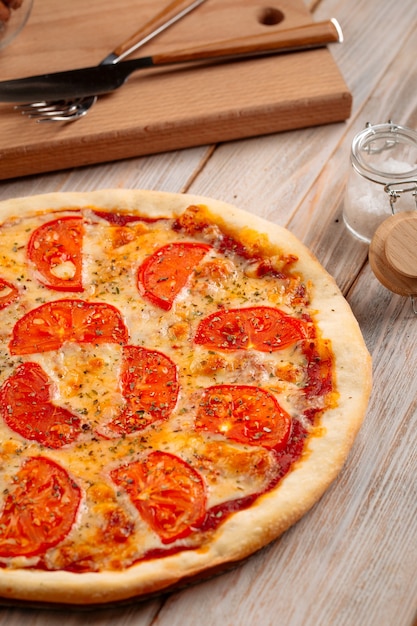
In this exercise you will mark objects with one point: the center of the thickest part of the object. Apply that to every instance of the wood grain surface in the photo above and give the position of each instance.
(165, 109)
(352, 561)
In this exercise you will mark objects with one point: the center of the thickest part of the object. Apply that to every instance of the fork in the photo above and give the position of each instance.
(71, 110)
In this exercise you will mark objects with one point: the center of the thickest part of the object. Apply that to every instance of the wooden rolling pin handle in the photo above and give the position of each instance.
(393, 253)
(317, 34)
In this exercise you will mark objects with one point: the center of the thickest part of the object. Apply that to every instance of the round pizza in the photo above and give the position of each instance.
(180, 381)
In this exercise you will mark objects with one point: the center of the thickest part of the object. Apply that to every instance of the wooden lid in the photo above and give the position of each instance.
(393, 253)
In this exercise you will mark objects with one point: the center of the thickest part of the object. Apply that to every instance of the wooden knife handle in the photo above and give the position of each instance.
(313, 35)
(154, 23)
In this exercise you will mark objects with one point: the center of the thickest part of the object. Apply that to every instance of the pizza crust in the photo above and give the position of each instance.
(249, 530)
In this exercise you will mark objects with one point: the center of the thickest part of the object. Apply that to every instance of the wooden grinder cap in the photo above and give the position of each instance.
(393, 253)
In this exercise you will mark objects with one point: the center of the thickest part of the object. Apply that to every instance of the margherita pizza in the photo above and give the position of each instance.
(180, 381)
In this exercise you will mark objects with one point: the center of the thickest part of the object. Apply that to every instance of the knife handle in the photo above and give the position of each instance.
(313, 35)
(159, 21)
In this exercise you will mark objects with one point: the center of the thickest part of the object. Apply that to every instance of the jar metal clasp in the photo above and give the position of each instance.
(394, 191)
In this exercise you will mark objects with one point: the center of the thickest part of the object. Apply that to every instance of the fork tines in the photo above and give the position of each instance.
(58, 110)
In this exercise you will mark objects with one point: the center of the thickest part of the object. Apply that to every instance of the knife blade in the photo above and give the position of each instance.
(102, 79)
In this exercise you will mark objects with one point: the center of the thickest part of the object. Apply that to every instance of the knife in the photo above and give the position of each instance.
(103, 79)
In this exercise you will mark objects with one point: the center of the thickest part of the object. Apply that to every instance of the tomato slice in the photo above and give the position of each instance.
(150, 386)
(39, 509)
(49, 326)
(8, 293)
(168, 493)
(246, 414)
(166, 272)
(27, 409)
(55, 249)
(260, 328)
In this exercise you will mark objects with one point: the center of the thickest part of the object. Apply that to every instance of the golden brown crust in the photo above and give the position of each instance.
(273, 513)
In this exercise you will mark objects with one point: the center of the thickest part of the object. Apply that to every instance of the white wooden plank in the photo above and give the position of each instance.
(136, 615)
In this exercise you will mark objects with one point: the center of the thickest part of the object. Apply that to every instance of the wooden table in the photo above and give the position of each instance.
(352, 561)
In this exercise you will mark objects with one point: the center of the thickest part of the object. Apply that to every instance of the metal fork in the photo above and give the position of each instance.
(71, 110)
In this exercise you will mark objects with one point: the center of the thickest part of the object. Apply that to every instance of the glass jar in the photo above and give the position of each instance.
(383, 177)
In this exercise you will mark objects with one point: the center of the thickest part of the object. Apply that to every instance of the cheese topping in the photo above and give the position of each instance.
(124, 410)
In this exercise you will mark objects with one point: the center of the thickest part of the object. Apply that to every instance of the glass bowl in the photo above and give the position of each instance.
(13, 16)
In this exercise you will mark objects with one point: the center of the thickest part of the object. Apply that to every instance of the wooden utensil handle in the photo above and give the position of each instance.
(312, 35)
(155, 22)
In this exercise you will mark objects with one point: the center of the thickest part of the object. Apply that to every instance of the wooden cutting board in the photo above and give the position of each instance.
(161, 110)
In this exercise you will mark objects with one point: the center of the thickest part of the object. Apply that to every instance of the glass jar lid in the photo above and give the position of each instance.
(385, 153)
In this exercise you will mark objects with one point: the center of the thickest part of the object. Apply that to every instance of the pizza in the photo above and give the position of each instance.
(180, 381)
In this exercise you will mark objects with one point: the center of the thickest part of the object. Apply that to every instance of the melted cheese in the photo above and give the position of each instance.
(109, 532)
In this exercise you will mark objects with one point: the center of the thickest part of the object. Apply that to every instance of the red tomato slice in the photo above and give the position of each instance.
(39, 509)
(166, 272)
(168, 493)
(8, 293)
(260, 328)
(150, 386)
(26, 408)
(55, 249)
(248, 415)
(52, 324)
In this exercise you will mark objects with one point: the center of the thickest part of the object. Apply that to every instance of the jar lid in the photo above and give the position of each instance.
(385, 153)
(393, 253)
